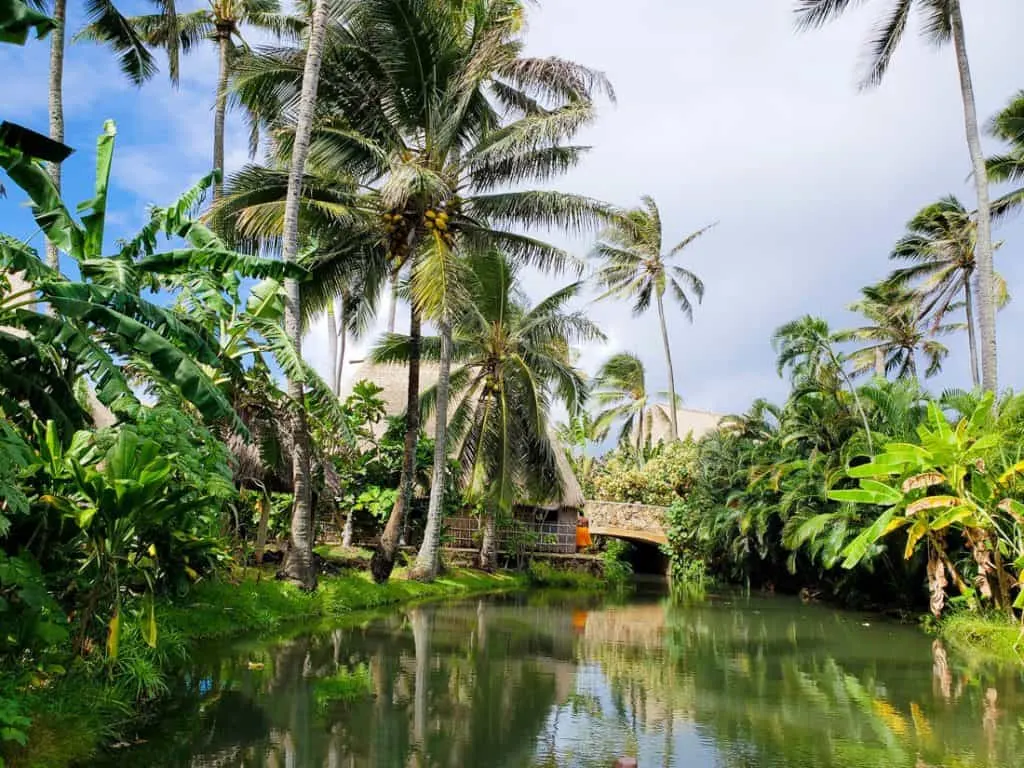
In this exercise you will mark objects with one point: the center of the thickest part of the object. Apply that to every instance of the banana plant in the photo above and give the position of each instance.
(951, 480)
(100, 326)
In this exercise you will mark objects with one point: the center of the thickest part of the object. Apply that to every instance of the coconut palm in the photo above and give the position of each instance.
(110, 27)
(620, 392)
(943, 22)
(806, 348)
(510, 362)
(435, 141)
(897, 332)
(222, 24)
(635, 268)
(299, 564)
(940, 243)
(17, 19)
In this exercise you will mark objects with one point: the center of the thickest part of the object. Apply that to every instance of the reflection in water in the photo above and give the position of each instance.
(525, 682)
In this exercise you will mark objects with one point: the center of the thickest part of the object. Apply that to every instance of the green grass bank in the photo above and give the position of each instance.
(986, 638)
(98, 703)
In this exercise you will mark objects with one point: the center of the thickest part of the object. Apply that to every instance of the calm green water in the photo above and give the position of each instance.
(539, 681)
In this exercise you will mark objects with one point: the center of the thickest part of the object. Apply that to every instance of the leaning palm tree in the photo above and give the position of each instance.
(806, 348)
(620, 391)
(436, 111)
(510, 362)
(940, 243)
(299, 564)
(635, 268)
(897, 331)
(943, 22)
(221, 24)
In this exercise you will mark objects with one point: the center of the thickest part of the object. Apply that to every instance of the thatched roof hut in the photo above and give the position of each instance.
(394, 380)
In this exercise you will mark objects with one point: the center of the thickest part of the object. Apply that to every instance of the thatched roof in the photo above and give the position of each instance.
(394, 380)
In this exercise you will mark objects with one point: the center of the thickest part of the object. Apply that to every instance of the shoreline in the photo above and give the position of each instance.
(88, 708)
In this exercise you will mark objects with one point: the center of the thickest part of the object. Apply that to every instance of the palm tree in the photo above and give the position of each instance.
(898, 330)
(1008, 167)
(110, 27)
(620, 390)
(221, 23)
(635, 268)
(17, 19)
(805, 347)
(940, 242)
(943, 22)
(299, 563)
(510, 362)
(505, 118)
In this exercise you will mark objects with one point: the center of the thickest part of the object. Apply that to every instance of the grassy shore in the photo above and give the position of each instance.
(95, 703)
(987, 638)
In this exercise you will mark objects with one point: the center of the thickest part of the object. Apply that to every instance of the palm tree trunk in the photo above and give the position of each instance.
(972, 342)
(342, 342)
(221, 105)
(640, 436)
(298, 565)
(489, 543)
(428, 559)
(671, 373)
(983, 246)
(394, 303)
(332, 346)
(347, 531)
(879, 363)
(56, 104)
(383, 561)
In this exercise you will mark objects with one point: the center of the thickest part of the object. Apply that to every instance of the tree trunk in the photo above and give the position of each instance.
(342, 342)
(261, 528)
(972, 342)
(298, 565)
(983, 247)
(221, 105)
(56, 104)
(879, 363)
(671, 373)
(489, 544)
(383, 561)
(332, 346)
(392, 311)
(346, 532)
(428, 560)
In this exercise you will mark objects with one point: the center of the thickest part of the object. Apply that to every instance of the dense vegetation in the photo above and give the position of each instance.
(161, 423)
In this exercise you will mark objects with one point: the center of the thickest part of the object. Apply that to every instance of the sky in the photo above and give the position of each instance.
(724, 113)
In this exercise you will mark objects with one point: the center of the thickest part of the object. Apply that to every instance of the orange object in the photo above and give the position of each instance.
(583, 539)
(579, 620)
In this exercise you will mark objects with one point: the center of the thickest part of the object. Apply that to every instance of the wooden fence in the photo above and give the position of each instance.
(518, 536)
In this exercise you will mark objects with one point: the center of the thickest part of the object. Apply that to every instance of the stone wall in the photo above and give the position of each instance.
(637, 517)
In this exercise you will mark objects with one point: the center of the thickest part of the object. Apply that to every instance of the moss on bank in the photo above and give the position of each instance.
(92, 706)
(990, 638)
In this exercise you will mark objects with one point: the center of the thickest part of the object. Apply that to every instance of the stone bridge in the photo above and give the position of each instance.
(638, 522)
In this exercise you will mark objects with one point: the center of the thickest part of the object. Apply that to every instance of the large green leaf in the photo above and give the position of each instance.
(870, 492)
(47, 207)
(95, 220)
(17, 20)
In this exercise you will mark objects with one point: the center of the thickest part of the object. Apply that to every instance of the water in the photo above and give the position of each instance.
(536, 680)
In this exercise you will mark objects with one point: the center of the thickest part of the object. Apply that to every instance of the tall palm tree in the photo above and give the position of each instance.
(435, 111)
(510, 362)
(222, 24)
(635, 268)
(106, 24)
(897, 332)
(299, 563)
(943, 22)
(620, 391)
